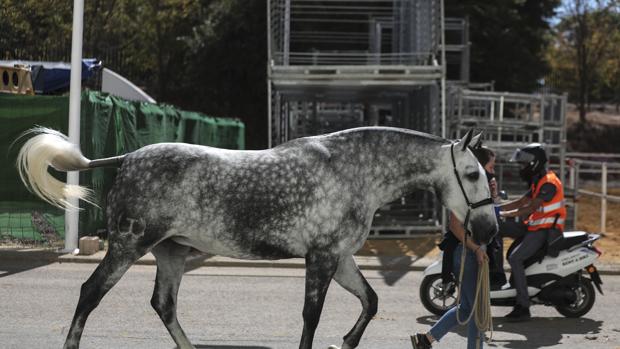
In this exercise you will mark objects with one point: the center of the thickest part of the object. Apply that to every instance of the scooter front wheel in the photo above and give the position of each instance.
(585, 297)
(437, 297)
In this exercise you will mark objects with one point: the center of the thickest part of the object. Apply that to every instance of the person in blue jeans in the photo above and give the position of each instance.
(475, 255)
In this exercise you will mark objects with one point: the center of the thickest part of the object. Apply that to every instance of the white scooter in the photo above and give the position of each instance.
(558, 282)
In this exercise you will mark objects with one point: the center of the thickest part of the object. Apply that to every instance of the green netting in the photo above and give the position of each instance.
(19, 218)
(109, 126)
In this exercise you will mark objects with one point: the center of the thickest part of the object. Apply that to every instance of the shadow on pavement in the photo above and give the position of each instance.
(20, 260)
(539, 332)
(544, 331)
(230, 347)
(397, 255)
(195, 260)
(391, 277)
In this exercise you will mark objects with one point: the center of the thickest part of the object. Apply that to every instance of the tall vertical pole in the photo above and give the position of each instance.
(269, 63)
(563, 141)
(287, 32)
(604, 198)
(576, 196)
(444, 133)
(443, 71)
(75, 93)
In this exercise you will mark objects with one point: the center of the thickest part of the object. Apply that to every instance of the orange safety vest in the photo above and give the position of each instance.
(545, 215)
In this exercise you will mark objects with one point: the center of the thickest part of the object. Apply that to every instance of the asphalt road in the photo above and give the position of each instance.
(258, 308)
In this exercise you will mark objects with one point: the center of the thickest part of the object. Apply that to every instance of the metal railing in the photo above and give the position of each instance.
(353, 32)
(584, 173)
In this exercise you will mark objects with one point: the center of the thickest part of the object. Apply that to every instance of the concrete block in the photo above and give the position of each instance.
(89, 245)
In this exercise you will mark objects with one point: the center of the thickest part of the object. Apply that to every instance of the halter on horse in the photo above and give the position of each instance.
(312, 197)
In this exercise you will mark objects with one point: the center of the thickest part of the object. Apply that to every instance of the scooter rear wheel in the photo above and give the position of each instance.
(434, 297)
(585, 299)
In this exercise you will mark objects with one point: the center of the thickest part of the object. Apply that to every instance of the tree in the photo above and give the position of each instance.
(508, 39)
(31, 27)
(228, 60)
(582, 53)
(610, 70)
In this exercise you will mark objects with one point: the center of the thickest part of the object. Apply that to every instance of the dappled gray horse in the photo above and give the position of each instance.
(311, 197)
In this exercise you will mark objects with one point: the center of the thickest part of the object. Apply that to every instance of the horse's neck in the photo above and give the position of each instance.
(388, 165)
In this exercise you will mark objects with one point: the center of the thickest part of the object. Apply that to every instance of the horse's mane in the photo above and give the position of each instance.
(396, 130)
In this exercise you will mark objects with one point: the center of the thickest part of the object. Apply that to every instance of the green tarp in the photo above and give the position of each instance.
(109, 126)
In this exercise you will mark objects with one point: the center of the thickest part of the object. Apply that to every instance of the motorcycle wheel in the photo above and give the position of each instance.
(433, 296)
(585, 300)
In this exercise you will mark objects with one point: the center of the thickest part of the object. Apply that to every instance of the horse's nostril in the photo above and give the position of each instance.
(486, 233)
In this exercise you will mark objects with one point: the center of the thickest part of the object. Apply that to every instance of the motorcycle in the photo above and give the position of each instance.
(564, 282)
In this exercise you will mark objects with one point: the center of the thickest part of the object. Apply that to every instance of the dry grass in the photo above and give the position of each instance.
(589, 219)
(607, 117)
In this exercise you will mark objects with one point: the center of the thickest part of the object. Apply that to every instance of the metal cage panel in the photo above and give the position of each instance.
(509, 121)
(353, 32)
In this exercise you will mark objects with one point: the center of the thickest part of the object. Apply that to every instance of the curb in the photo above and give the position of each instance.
(386, 263)
(378, 263)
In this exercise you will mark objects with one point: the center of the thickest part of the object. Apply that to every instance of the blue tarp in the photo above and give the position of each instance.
(54, 77)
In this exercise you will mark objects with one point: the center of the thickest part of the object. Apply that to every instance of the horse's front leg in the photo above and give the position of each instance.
(320, 268)
(350, 278)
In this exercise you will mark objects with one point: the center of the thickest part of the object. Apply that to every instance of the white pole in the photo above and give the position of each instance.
(571, 176)
(269, 60)
(604, 198)
(444, 131)
(75, 93)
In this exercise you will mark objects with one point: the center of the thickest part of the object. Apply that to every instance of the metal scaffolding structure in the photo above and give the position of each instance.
(353, 32)
(457, 49)
(336, 64)
(339, 64)
(512, 120)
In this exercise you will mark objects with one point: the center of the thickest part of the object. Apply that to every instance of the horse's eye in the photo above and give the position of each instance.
(473, 176)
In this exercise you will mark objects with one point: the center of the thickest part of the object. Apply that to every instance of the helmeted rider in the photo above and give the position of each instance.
(541, 210)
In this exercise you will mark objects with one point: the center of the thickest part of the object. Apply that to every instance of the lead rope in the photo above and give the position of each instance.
(482, 299)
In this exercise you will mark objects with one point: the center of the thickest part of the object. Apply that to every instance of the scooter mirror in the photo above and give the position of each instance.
(503, 195)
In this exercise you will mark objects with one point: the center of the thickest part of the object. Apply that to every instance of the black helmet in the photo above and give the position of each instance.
(532, 160)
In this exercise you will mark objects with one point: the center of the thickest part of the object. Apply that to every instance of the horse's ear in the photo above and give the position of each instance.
(476, 141)
(466, 140)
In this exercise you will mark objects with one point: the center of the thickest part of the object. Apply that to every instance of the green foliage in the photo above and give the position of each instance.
(30, 25)
(585, 55)
(227, 57)
(508, 40)
(208, 56)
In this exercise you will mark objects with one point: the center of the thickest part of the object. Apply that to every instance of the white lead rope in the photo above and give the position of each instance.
(482, 299)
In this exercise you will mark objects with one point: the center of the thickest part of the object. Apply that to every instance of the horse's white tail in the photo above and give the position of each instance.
(52, 148)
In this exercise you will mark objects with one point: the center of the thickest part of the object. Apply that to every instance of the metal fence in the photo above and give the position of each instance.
(594, 178)
(337, 64)
(353, 32)
(30, 222)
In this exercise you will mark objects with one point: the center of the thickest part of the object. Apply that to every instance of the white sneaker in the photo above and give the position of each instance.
(506, 286)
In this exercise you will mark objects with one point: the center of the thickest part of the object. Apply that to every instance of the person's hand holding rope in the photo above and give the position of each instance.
(481, 255)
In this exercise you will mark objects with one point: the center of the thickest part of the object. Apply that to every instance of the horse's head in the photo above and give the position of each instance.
(463, 188)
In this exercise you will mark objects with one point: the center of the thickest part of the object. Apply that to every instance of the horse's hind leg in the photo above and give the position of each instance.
(350, 278)
(118, 259)
(320, 269)
(170, 267)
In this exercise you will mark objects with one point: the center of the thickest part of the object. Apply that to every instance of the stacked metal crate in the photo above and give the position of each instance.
(339, 64)
(509, 121)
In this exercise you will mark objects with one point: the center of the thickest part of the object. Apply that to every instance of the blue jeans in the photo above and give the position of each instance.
(468, 291)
